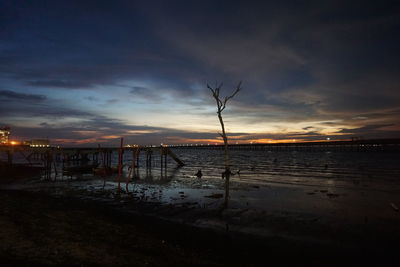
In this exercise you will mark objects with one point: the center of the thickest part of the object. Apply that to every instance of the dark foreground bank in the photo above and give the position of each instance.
(37, 229)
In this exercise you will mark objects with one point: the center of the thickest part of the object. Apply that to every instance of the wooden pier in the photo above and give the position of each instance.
(77, 159)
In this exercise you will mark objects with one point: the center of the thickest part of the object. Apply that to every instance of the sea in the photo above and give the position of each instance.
(353, 184)
(377, 170)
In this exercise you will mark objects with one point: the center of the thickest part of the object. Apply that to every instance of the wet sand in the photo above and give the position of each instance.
(39, 228)
(278, 215)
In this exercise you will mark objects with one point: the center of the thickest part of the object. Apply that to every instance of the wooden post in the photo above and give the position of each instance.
(55, 168)
(172, 155)
(133, 163)
(120, 157)
(161, 157)
(48, 161)
(120, 152)
(9, 157)
(62, 167)
(109, 154)
(148, 158)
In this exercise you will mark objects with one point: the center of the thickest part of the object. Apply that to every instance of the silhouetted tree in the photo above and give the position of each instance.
(221, 105)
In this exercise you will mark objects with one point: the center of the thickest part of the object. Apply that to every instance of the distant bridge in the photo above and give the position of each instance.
(356, 145)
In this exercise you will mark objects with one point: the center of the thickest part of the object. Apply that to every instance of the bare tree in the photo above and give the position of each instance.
(221, 105)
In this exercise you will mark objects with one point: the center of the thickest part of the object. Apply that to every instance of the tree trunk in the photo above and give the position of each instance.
(226, 160)
(221, 104)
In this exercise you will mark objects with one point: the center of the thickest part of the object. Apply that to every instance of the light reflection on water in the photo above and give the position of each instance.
(377, 170)
(345, 169)
(347, 184)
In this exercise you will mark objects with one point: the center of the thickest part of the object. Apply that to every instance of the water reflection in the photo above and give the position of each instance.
(379, 170)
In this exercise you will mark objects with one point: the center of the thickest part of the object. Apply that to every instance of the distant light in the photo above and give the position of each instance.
(328, 138)
(294, 140)
(13, 143)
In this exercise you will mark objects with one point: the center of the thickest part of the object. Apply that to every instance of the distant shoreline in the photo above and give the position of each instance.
(296, 144)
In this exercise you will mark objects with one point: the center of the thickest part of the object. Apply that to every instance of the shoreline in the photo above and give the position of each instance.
(249, 204)
(41, 229)
(282, 226)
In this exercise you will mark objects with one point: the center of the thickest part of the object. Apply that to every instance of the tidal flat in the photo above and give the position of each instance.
(322, 209)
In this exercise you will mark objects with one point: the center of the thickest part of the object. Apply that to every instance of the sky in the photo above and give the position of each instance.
(89, 72)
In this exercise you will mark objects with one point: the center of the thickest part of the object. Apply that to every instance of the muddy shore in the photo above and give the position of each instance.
(40, 229)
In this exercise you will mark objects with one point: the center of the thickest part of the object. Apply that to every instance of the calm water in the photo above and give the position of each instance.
(375, 170)
(380, 170)
(342, 185)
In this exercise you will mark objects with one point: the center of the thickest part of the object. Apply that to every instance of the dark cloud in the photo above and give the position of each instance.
(308, 128)
(59, 84)
(7, 94)
(330, 62)
(45, 124)
(32, 106)
(373, 131)
(365, 129)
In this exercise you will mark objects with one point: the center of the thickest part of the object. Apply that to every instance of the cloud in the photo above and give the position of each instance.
(319, 65)
(30, 107)
(7, 94)
(146, 94)
(308, 128)
(60, 84)
(366, 129)
(373, 131)
(112, 101)
(89, 133)
(92, 98)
